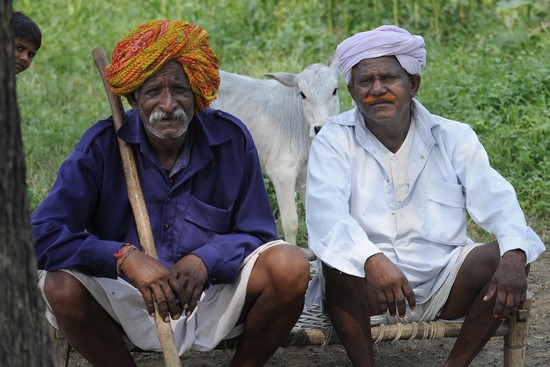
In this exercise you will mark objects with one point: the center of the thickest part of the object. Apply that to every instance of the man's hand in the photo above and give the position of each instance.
(509, 284)
(391, 285)
(188, 278)
(152, 279)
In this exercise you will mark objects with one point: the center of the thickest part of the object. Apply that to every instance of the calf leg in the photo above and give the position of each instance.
(284, 182)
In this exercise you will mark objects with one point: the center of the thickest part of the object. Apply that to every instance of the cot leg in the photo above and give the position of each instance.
(516, 340)
(61, 349)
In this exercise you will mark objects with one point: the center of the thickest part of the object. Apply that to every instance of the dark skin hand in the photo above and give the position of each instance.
(188, 278)
(174, 290)
(391, 285)
(509, 284)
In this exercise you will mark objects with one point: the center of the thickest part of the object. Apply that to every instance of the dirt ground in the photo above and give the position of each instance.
(417, 353)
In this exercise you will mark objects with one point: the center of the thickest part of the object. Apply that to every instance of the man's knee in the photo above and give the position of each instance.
(481, 263)
(342, 282)
(286, 268)
(343, 288)
(62, 289)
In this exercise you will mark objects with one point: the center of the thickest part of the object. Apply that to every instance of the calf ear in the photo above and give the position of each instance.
(333, 63)
(286, 79)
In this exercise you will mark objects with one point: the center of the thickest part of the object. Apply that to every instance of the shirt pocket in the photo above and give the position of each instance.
(208, 218)
(445, 216)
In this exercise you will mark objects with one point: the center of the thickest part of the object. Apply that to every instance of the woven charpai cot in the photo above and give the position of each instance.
(313, 328)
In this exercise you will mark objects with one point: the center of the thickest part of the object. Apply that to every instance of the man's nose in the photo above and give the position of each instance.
(168, 102)
(378, 87)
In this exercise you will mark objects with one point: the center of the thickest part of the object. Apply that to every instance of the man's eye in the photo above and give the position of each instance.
(151, 92)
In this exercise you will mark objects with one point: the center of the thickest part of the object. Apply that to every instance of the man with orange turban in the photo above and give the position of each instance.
(209, 212)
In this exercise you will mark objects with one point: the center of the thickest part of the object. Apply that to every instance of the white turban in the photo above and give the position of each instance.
(386, 40)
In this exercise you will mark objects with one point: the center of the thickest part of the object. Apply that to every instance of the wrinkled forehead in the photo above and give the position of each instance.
(171, 71)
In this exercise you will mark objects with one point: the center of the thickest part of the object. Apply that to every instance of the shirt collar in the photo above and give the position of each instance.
(132, 130)
(204, 128)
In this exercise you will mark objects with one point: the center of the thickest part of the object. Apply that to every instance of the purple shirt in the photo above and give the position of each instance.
(214, 206)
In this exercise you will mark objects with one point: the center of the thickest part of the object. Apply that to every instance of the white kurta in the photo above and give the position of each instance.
(354, 211)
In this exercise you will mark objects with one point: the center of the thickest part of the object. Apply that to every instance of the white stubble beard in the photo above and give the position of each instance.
(179, 114)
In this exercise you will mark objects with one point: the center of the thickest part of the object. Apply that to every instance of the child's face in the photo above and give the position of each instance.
(24, 54)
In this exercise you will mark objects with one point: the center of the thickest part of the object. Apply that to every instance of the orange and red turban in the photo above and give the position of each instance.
(148, 47)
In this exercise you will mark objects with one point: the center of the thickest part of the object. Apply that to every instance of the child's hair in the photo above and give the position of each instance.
(25, 28)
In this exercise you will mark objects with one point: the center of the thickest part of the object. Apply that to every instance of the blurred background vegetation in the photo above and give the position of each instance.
(487, 66)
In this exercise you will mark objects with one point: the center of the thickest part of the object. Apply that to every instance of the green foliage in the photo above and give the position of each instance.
(486, 66)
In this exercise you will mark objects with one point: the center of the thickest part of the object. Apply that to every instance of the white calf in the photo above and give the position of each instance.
(283, 114)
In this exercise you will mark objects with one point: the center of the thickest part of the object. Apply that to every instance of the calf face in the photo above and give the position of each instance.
(317, 87)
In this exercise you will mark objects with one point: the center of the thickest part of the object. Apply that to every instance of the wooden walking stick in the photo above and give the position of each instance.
(135, 195)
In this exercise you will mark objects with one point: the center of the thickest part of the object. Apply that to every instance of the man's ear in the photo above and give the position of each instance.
(132, 99)
(351, 90)
(415, 84)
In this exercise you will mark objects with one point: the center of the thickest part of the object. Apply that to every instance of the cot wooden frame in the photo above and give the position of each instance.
(314, 329)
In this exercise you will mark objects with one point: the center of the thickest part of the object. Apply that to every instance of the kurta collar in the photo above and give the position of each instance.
(426, 127)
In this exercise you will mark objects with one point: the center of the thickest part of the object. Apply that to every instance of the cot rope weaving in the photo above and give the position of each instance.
(313, 328)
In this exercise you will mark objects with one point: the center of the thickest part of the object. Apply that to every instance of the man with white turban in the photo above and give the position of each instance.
(220, 272)
(389, 186)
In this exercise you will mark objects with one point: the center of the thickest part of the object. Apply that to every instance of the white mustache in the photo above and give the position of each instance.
(177, 114)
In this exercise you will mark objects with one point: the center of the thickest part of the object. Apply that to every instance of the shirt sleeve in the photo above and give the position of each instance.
(490, 199)
(59, 223)
(334, 235)
(66, 223)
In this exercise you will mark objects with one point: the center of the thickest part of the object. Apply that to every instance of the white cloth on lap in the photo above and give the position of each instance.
(428, 311)
(213, 320)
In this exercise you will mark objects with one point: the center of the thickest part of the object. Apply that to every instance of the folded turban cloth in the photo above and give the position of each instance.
(148, 47)
(386, 40)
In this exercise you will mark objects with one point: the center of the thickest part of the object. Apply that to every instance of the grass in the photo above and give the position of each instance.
(486, 66)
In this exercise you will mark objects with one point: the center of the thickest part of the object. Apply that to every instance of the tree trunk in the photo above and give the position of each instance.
(24, 337)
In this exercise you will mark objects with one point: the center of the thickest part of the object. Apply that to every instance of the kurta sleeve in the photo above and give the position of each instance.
(334, 235)
(490, 199)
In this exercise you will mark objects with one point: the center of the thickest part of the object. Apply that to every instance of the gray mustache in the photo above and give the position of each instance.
(178, 114)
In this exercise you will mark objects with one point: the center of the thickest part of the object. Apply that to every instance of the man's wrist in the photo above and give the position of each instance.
(122, 254)
(517, 254)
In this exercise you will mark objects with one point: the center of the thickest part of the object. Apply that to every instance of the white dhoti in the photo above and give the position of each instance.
(428, 311)
(213, 320)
